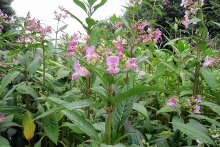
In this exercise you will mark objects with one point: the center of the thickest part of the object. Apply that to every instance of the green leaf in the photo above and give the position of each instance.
(91, 2)
(33, 67)
(159, 12)
(94, 37)
(82, 123)
(218, 24)
(51, 128)
(140, 108)
(164, 109)
(125, 22)
(214, 107)
(29, 125)
(99, 5)
(8, 78)
(198, 126)
(23, 89)
(75, 128)
(4, 142)
(100, 90)
(84, 26)
(62, 28)
(38, 144)
(209, 77)
(80, 4)
(90, 22)
(140, 89)
(78, 104)
(193, 132)
(213, 121)
(50, 111)
(120, 115)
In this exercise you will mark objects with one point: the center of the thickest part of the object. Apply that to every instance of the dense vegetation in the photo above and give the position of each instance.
(149, 78)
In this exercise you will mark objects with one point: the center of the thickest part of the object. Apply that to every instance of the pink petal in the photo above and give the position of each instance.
(76, 65)
(112, 61)
(75, 76)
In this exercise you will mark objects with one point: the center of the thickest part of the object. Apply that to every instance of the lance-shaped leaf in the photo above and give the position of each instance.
(90, 22)
(209, 77)
(120, 115)
(51, 128)
(83, 124)
(8, 78)
(33, 67)
(99, 5)
(84, 26)
(80, 4)
(28, 125)
(193, 132)
(23, 89)
(140, 89)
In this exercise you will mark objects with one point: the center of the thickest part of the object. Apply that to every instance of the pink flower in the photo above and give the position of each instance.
(208, 62)
(186, 19)
(184, 3)
(0, 30)
(2, 117)
(139, 2)
(91, 54)
(157, 35)
(79, 71)
(112, 63)
(129, 125)
(172, 102)
(130, 63)
(197, 109)
(199, 98)
(133, 26)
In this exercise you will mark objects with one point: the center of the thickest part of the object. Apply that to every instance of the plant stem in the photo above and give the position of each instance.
(109, 126)
(55, 46)
(196, 75)
(44, 65)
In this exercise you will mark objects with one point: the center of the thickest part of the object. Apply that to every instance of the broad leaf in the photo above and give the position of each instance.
(50, 111)
(120, 115)
(140, 89)
(209, 77)
(78, 104)
(75, 128)
(90, 22)
(80, 4)
(82, 123)
(140, 108)
(33, 67)
(4, 142)
(28, 125)
(213, 121)
(8, 78)
(94, 37)
(23, 89)
(193, 132)
(51, 128)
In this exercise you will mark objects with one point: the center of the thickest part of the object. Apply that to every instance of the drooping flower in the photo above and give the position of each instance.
(112, 63)
(199, 98)
(172, 102)
(2, 117)
(91, 55)
(208, 62)
(131, 63)
(79, 71)
(197, 109)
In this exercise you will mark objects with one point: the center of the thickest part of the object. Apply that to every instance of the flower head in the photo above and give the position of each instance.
(208, 62)
(91, 55)
(79, 71)
(197, 109)
(112, 63)
(131, 63)
(172, 102)
(2, 117)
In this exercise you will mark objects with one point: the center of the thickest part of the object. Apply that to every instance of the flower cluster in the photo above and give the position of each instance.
(62, 14)
(4, 18)
(34, 26)
(144, 34)
(208, 62)
(192, 7)
(73, 45)
(172, 102)
(119, 45)
(136, 1)
(193, 104)
(79, 71)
